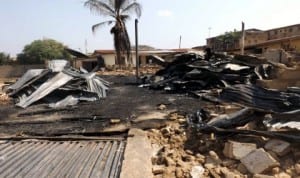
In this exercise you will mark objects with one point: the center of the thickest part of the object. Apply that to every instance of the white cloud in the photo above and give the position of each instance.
(165, 13)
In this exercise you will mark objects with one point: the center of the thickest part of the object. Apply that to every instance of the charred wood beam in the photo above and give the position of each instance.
(235, 119)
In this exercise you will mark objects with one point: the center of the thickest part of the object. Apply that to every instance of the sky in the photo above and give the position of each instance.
(161, 24)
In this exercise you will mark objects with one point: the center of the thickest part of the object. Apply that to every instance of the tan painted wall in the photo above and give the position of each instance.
(283, 32)
(273, 46)
(296, 45)
(109, 59)
(277, 55)
(293, 45)
(254, 38)
(143, 60)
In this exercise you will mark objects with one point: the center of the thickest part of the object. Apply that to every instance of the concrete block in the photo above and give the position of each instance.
(284, 175)
(229, 174)
(259, 161)
(237, 150)
(297, 168)
(242, 169)
(278, 146)
(197, 171)
(158, 169)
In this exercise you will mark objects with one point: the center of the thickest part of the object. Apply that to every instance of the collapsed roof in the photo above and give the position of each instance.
(59, 85)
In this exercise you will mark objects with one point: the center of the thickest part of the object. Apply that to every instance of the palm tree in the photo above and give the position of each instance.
(119, 11)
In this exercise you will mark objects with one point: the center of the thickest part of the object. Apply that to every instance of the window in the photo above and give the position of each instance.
(291, 30)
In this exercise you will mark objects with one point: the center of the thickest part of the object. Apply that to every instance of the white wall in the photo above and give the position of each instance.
(109, 59)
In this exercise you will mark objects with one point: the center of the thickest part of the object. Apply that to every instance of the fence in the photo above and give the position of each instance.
(9, 71)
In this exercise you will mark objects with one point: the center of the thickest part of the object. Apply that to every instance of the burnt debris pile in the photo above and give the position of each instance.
(253, 109)
(59, 85)
(192, 72)
(235, 81)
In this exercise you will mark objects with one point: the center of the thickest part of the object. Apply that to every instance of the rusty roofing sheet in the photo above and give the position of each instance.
(61, 158)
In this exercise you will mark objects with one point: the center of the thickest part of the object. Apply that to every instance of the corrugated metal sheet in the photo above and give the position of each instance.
(61, 158)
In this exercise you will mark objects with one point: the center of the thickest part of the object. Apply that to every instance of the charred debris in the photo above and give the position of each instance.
(58, 86)
(233, 80)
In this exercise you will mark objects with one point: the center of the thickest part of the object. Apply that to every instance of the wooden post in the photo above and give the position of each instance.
(243, 39)
(180, 42)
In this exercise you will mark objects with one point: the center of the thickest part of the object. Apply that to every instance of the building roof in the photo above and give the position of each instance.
(181, 50)
(258, 30)
(253, 30)
(76, 53)
(296, 37)
(105, 51)
(283, 27)
(199, 47)
(156, 51)
(144, 47)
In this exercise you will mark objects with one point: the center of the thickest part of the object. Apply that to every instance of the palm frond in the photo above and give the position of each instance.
(125, 3)
(133, 7)
(100, 8)
(124, 18)
(119, 4)
(117, 7)
(111, 3)
(99, 25)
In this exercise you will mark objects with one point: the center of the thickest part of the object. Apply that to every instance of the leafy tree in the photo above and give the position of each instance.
(229, 39)
(119, 12)
(4, 58)
(40, 50)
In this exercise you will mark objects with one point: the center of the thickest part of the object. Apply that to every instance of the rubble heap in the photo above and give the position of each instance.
(181, 151)
(260, 137)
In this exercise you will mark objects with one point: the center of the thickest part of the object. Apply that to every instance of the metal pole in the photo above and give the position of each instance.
(137, 63)
(243, 39)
